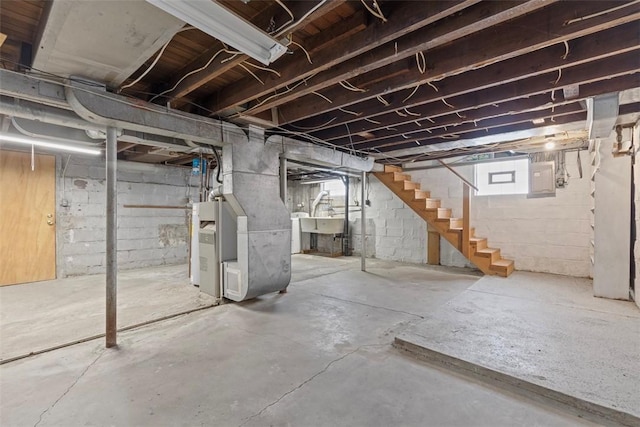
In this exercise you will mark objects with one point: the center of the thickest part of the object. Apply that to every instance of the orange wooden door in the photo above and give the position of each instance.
(27, 218)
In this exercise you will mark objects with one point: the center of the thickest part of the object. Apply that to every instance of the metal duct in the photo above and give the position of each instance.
(251, 185)
(108, 109)
(63, 124)
(602, 114)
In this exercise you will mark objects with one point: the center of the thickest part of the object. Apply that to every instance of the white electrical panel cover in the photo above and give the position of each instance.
(542, 179)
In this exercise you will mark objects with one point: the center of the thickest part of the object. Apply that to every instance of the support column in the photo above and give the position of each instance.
(466, 228)
(283, 179)
(345, 233)
(363, 223)
(112, 238)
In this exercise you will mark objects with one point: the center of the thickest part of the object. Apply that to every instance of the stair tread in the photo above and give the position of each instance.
(502, 262)
(477, 239)
(392, 168)
(488, 250)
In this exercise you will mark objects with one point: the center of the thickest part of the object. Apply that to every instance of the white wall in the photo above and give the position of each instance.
(394, 231)
(545, 235)
(146, 237)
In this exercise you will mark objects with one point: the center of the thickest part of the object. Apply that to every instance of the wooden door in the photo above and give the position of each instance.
(27, 218)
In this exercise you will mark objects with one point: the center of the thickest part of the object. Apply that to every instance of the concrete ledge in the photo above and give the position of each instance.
(583, 408)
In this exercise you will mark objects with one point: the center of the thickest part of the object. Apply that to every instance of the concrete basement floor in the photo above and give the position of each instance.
(543, 333)
(40, 315)
(319, 355)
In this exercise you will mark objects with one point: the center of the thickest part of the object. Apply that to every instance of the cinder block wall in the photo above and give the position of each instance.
(545, 235)
(393, 231)
(146, 237)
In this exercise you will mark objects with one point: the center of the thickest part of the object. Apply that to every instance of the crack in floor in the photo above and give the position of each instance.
(68, 388)
(369, 305)
(307, 381)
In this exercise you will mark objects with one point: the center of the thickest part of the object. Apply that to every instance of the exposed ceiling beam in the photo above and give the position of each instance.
(405, 18)
(442, 133)
(211, 67)
(624, 64)
(547, 60)
(471, 20)
(577, 119)
(504, 42)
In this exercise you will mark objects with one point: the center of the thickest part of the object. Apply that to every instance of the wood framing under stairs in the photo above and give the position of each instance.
(456, 230)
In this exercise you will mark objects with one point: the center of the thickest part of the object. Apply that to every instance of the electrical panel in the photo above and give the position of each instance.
(542, 179)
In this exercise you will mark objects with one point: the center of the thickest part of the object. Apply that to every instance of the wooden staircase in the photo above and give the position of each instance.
(476, 249)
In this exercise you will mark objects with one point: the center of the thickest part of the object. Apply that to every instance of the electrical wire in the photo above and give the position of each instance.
(155, 61)
(252, 73)
(303, 49)
(190, 73)
(375, 11)
(290, 14)
(411, 94)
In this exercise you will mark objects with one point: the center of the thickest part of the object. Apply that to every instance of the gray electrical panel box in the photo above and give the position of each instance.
(542, 179)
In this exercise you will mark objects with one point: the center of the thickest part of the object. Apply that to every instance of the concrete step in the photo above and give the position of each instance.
(488, 372)
(504, 267)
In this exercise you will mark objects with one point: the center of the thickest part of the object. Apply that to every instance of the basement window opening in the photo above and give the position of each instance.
(502, 178)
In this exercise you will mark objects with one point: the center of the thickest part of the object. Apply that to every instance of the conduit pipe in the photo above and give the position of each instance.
(315, 203)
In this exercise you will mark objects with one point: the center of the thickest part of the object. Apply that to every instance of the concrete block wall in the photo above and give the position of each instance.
(300, 196)
(393, 231)
(146, 237)
(545, 235)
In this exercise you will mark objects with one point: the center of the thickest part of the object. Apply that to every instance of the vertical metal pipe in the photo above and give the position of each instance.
(345, 233)
(283, 179)
(363, 223)
(112, 237)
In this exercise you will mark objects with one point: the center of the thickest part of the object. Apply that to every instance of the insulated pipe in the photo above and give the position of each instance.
(314, 205)
(112, 238)
(363, 226)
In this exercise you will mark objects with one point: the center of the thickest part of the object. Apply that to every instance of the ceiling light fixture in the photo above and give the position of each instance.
(45, 144)
(219, 22)
(550, 145)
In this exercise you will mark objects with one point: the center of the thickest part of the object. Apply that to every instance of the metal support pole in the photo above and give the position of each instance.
(363, 223)
(112, 237)
(283, 179)
(345, 232)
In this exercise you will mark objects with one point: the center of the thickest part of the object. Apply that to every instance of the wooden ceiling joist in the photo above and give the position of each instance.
(210, 69)
(543, 61)
(479, 51)
(470, 20)
(604, 69)
(405, 19)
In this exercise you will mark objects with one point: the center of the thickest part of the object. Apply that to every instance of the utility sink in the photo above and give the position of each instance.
(322, 225)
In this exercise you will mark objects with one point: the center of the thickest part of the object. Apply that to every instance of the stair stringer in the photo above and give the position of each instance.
(488, 260)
